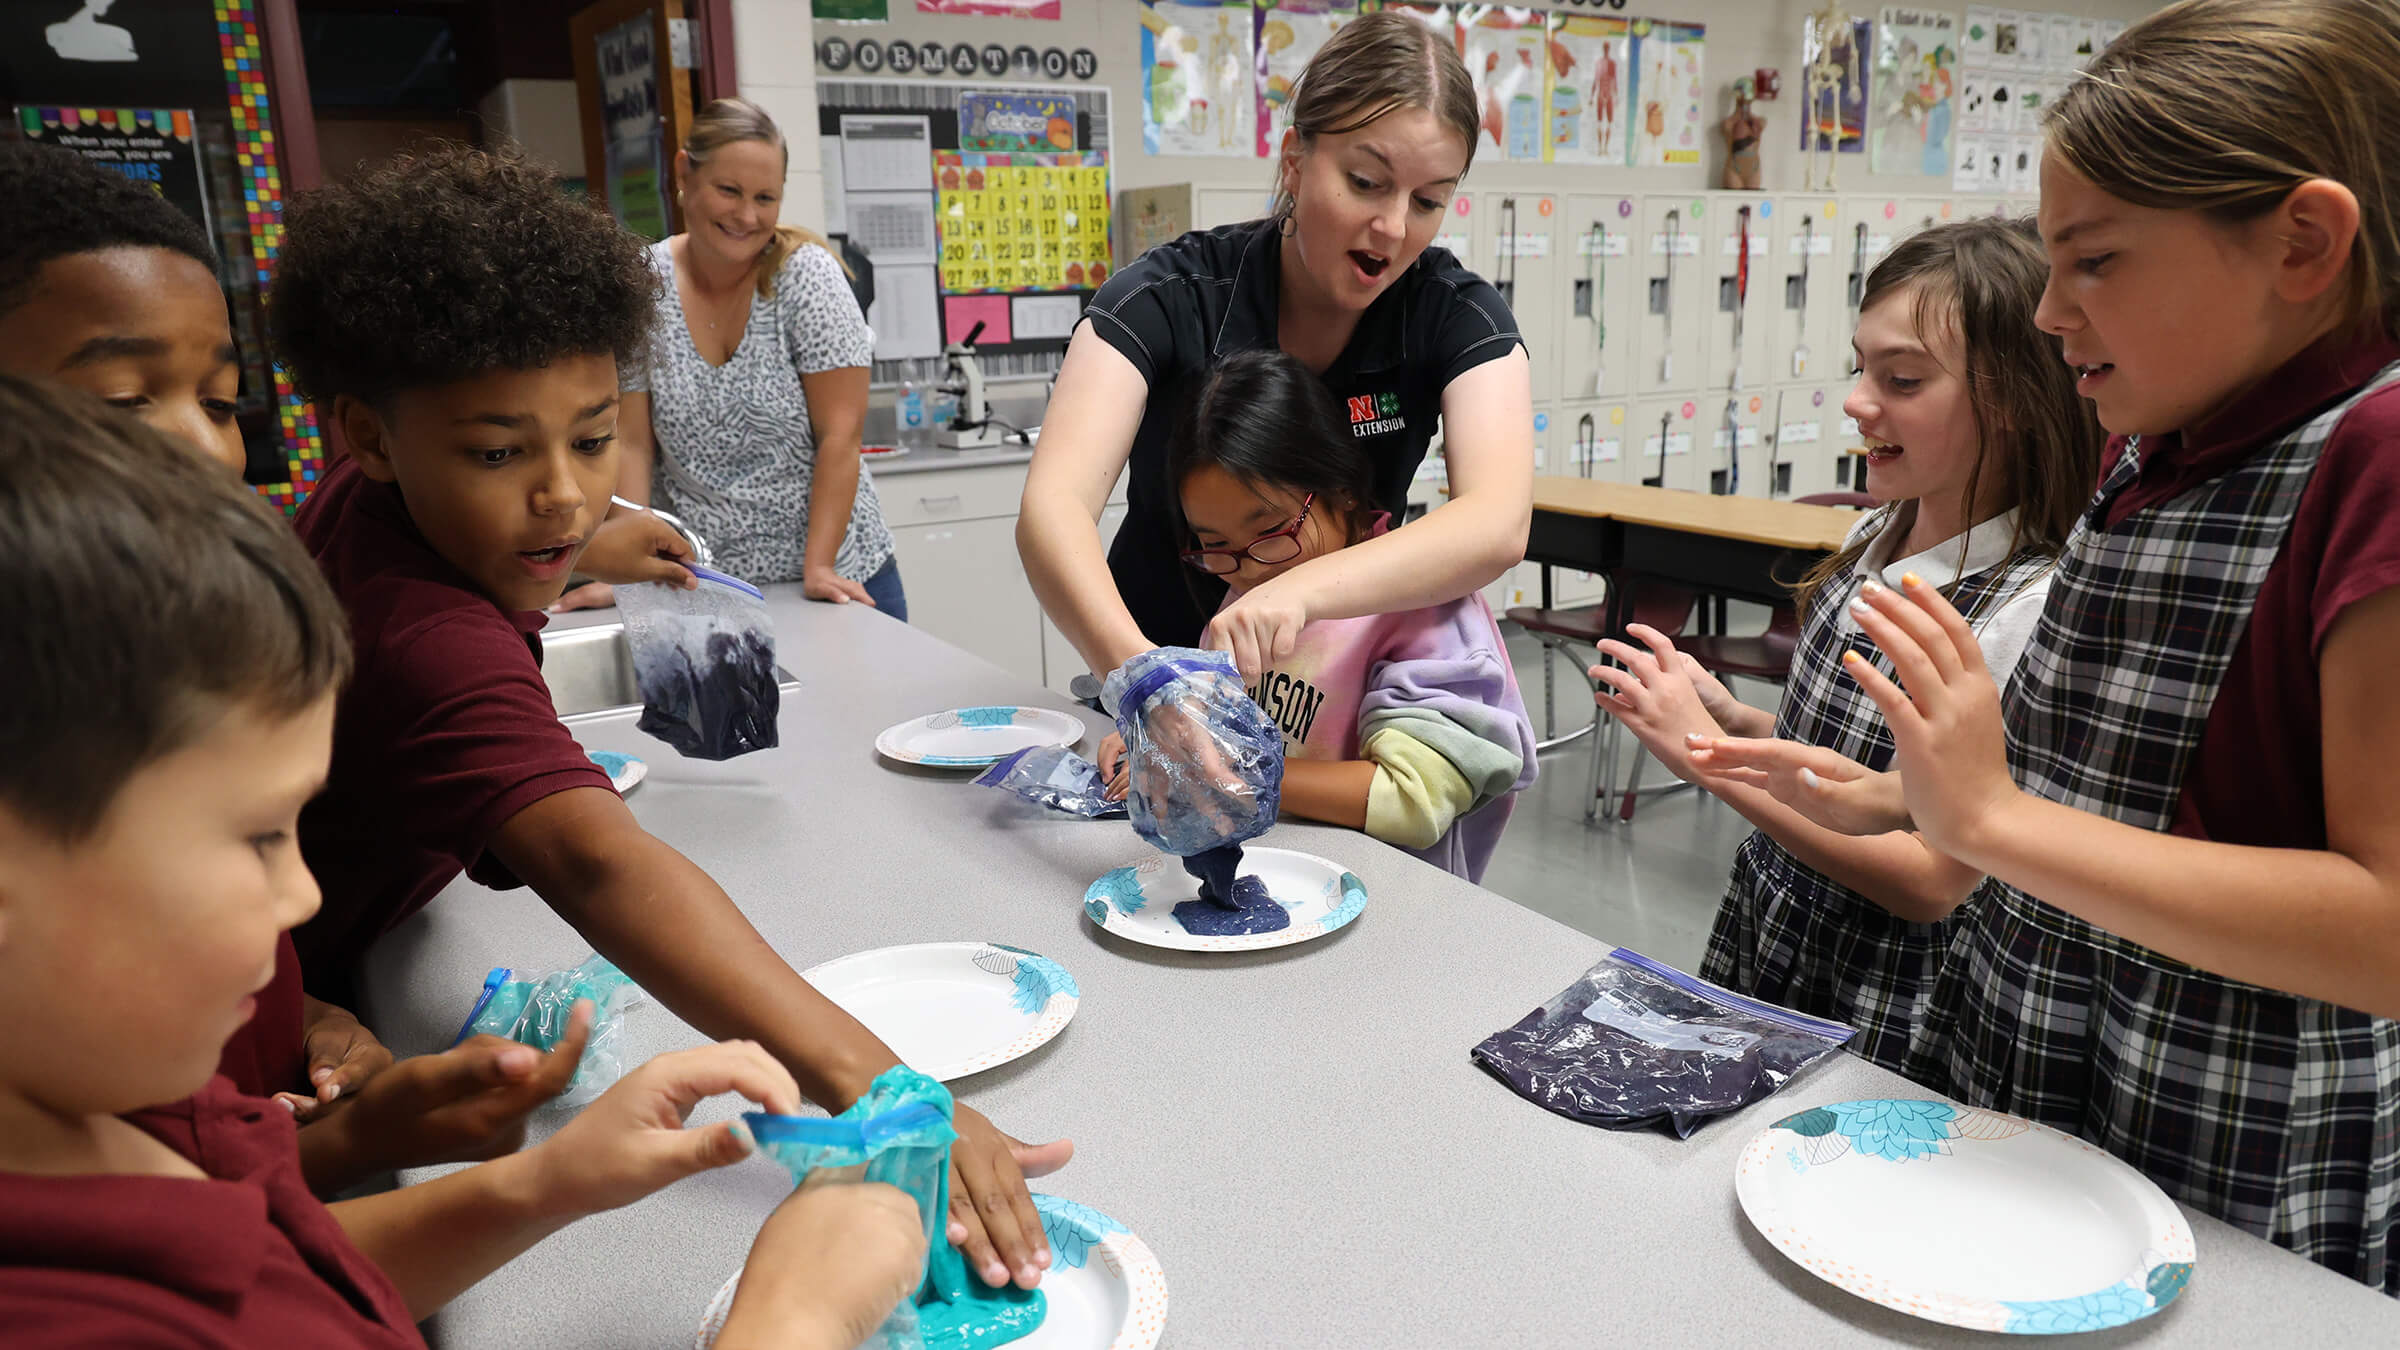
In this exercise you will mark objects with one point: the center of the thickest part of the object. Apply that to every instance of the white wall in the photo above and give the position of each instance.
(774, 37)
(775, 66)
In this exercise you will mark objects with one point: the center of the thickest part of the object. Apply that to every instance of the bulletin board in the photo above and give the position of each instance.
(1020, 236)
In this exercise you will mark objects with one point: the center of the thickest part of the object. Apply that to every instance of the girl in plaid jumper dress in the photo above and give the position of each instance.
(2189, 952)
(1981, 456)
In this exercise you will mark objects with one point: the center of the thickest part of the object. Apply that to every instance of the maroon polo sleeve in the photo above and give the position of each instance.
(2347, 517)
(472, 737)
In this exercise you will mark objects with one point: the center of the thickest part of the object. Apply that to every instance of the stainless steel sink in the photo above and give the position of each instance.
(590, 673)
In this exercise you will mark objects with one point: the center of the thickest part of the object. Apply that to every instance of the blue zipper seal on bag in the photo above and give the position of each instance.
(1801, 1022)
(821, 1132)
(1157, 676)
(491, 986)
(736, 583)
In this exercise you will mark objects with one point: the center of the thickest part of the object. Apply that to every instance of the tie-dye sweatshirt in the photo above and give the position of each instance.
(1429, 697)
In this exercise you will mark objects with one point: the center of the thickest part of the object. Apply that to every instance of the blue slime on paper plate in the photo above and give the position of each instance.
(953, 1309)
(1228, 907)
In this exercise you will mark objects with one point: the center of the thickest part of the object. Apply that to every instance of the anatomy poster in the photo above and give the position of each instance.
(1916, 83)
(1505, 49)
(1667, 92)
(1590, 104)
(1289, 33)
(1835, 115)
(1199, 84)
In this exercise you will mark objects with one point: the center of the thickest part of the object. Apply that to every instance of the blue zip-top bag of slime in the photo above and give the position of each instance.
(1204, 762)
(1636, 1043)
(532, 1008)
(705, 660)
(900, 1134)
(1056, 777)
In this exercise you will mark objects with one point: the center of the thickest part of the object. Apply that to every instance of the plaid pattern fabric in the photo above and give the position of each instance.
(2277, 1114)
(1788, 933)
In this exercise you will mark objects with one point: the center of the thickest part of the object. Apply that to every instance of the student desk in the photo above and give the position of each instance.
(1297, 1133)
(1751, 548)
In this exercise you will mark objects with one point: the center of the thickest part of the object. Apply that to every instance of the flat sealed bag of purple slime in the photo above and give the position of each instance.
(705, 659)
(1204, 762)
(1056, 777)
(1636, 1043)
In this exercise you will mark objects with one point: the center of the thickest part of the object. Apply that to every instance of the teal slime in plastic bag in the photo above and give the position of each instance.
(532, 1008)
(899, 1134)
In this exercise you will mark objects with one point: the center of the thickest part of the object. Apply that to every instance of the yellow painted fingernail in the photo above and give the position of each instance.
(1911, 579)
(1849, 658)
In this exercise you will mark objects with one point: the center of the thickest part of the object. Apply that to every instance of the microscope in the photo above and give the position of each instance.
(973, 427)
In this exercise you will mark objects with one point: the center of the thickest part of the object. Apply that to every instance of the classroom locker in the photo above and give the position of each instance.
(1736, 294)
(1874, 227)
(1668, 334)
(1808, 459)
(1518, 233)
(1670, 437)
(1738, 447)
(1590, 443)
(1841, 430)
(1600, 289)
(1923, 213)
(1805, 291)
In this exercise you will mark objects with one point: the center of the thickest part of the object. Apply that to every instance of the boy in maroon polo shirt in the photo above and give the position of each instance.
(462, 319)
(173, 660)
(108, 288)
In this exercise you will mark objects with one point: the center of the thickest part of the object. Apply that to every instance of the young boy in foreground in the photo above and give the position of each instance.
(174, 661)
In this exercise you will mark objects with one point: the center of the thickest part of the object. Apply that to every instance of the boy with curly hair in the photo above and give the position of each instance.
(463, 319)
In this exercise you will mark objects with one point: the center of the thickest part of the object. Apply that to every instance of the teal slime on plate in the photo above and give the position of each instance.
(909, 1147)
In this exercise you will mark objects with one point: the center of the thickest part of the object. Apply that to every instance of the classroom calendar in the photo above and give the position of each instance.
(1021, 221)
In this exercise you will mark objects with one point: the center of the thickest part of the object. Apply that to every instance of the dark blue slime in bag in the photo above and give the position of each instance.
(705, 659)
(1205, 765)
(1635, 1043)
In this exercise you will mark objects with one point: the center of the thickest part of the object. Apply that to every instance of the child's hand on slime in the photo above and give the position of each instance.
(992, 1219)
(827, 1268)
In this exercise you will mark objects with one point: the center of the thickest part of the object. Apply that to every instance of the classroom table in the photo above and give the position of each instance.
(1749, 548)
(1298, 1133)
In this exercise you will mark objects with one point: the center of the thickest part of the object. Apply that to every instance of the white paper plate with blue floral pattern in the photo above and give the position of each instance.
(975, 738)
(1137, 901)
(949, 1009)
(1969, 1217)
(1104, 1290)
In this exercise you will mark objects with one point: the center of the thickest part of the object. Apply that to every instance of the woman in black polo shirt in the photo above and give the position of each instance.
(1383, 125)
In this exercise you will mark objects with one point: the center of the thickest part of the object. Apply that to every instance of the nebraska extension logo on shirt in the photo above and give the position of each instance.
(1375, 414)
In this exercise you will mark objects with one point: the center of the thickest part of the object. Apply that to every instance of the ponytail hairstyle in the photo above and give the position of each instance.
(1375, 64)
(2225, 106)
(2037, 442)
(728, 121)
(1262, 417)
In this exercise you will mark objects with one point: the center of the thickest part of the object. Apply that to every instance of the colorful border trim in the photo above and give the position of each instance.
(259, 169)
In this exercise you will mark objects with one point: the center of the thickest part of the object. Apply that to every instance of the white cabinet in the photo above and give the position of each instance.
(1602, 291)
(966, 587)
(956, 533)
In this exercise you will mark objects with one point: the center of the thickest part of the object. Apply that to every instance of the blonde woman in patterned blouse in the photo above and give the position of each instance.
(744, 415)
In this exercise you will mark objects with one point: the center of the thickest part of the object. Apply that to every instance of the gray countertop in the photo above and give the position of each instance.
(1298, 1134)
(921, 461)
